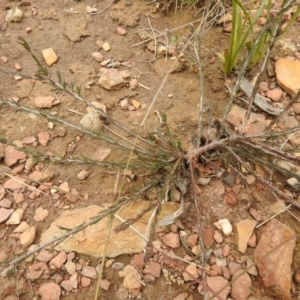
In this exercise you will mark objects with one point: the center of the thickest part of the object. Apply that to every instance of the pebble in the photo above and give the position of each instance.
(4, 59)
(225, 226)
(18, 197)
(43, 138)
(294, 183)
(241, 283)
(85, 282)
(244, 230)
(14, 183)
(133, 84)
(58, 260)
(139, 261)
(217, 283)
(218, 236)
(111, 79)
(28, 236)
(98, 56)
(105, 284)
(153, 269)
(16, 217)
(18, 67)
(99, 44)
(45, 102)
(70, 267)
(89, 271)
(225, 18)
(250, 179)
(106, 46)
(29, 140)
(40, 214)
(41, 176)
(83, 174)
(121, 31)
(5, 214)
(50, 291)
(275, 94)
(14, 15)
(91, 121)
(49, 56)
(45, 256)
(136, 104)
(12, 155)
(6, 203)
(132, 278)
(171, 239)
(192, 269)
(28, 29)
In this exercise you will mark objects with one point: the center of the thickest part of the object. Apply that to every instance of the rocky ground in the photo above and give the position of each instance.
(249, 233)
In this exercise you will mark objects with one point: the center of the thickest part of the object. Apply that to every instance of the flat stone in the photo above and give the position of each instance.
(22, 227)
(217, 283)
(12, 155)
(225, 226)
(256, 123)
(49, 56)
(5, 213)
(192, 269)
(218, 236)
(244, 230)
(16, 217)
(71, 283)
(40, 214)
(121, 31)
(132, 278)
(83, 174)
(171, 239)
(153, 269)
(139, 261)
(28, 236)
(50, 291)
(288, 75)
(58, 260)
(98, 56)
(45, 256)
(24, 88)
(275, 94)
(111, 79)
(44, 138)
(44, 102)
(6, 203)
(85, 282)
(193, 239)
(18, 197)
(90, 240)
(208, 236)
(274, 257)
(241, 283)
(70, 267)
(89, 272)
(40, 176)
(105, 284)
(39, 269)
(14, 183)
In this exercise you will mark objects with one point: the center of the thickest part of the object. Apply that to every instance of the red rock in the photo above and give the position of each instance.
(44, 102)
(231, 198)
(36, 270)
(153, 269)
(50, 291)
(215, 270)
(45, 256)
(226, 273)
(217, 283)
(44, 138)
(121, 31)
(193, 240)
(12, 155)
(241, 283)
(139, 261)
(226, 250)
(255, 214)
(275, 94)
(233, 267)
(85, 282)
(29, 140)
(252, 240)
(5, 214)
(208, 237)
(40, 214)
(40, 176)
(14, 183)
(105, 284)
(218, 236)
(58, 260)
(171, 239)
(244, 230)
(274, 256)
(6, 203)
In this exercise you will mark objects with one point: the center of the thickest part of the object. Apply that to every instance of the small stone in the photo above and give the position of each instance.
(28, 236)
(91, 121)
(18, 67)
(132, 278)
(101, 154)
(50, 291)
(98, 56)
(14, 15)
(252, 240)
(85, 282)
(111, 79)
(192, 269)
(203, 181)
(90, 9)
(241, 283)
(106, 46)
(193, 239)
(70, 267)
(226, 250)
(64, 187)
(39, 176)
(171, 239)
(40, 214)
(44, 102)
(4, 59)
(153, 269)
(136, 103)
(58, 260)
(217, 283)
(121, 31)
(99, 43)
(49, 56)
(275, 94)
(116, 265)
(250, 179)
(5, 213)
(83, 175)
(226, 227)
(28, 29)
(255, 214)
(231, 198)
(38, 270)
(16, 217)
(208, 236)
(105, 284)
(133, 84)
(6, 203)
(14, 183)
(244, 230)
(218, 236)
(19, 197)
(45, 256)
(29, 140)
(12, 155)
(3, 256)
(89, 271)
(294, 183)
(139, 261)
(44, 138)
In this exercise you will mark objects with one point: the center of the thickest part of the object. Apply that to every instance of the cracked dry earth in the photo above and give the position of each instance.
(81, 41)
